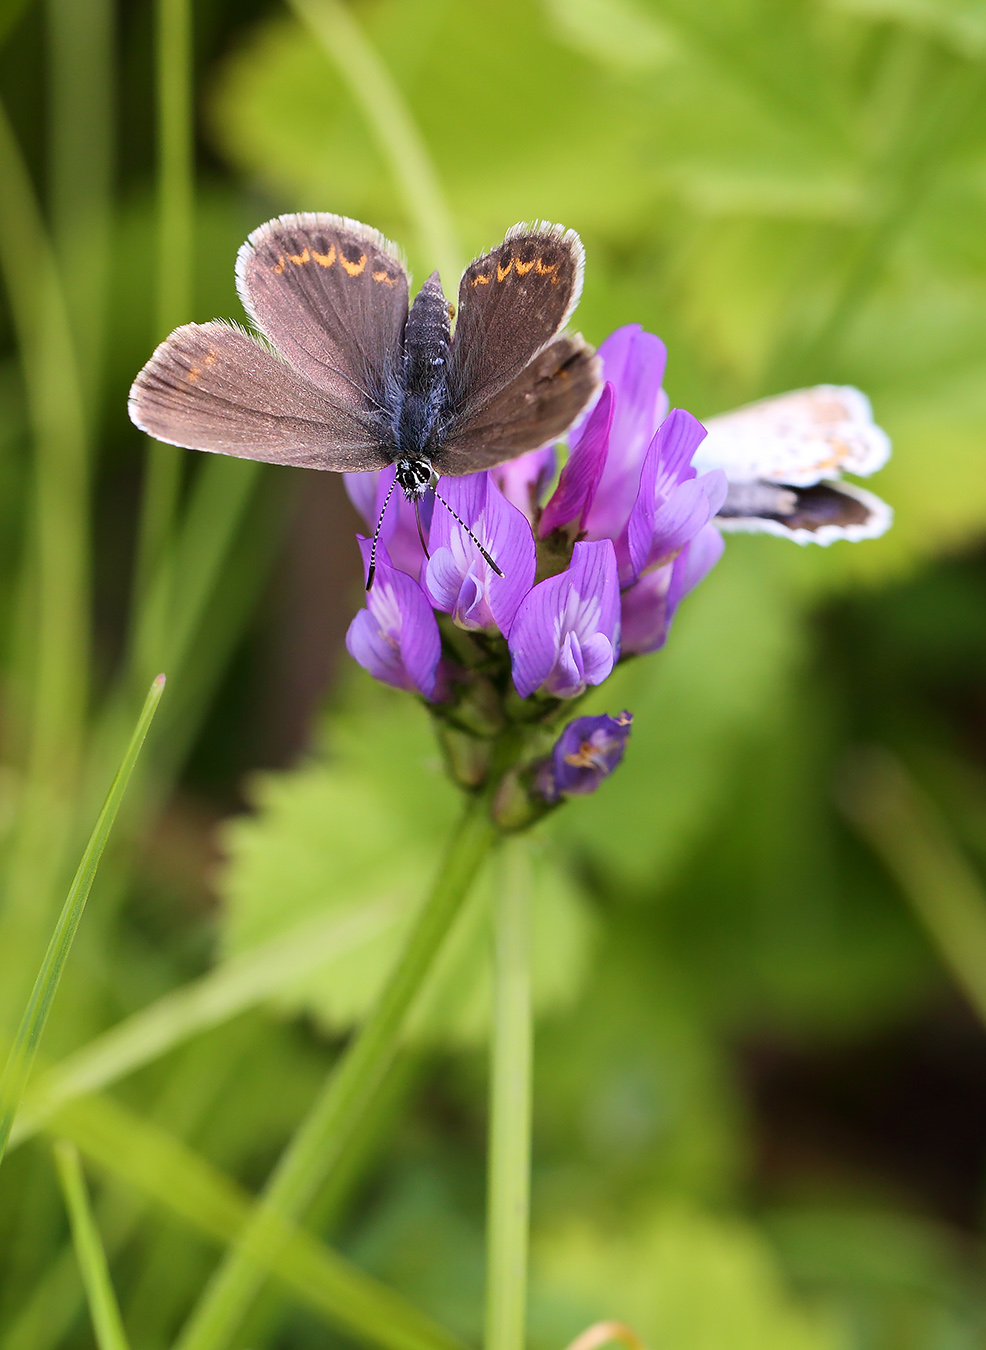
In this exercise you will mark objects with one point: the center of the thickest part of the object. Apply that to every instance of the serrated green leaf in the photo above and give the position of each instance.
(365, 827)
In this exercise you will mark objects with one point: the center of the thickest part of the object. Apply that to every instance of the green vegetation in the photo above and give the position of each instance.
(757, 956)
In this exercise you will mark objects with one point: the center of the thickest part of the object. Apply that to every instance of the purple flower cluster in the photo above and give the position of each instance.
(624, 536)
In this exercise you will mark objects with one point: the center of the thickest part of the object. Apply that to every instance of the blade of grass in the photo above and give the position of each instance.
(231, 988)
(104, 1310)
(323, 1137)
(81, 141)
(905, 830)
(176, 197)
(35, 1016)
(162, 1168)
(509, 1171)
(391, 121)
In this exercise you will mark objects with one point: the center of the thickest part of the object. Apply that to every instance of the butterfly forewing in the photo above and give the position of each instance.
(331, 295)
(539, 405)
(512, 302)
(212, 387)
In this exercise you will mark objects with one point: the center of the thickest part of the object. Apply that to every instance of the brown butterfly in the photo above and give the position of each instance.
(351, 379)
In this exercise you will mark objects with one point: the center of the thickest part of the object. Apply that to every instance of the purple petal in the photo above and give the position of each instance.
(580, 477)
(523, 480)
(694, 564)
(458, 578)
(645, 618)
(650, 604)
(669, 508)
(396, 636)
(566, 632)
(361, 489)
(398, 530)
(633, 361)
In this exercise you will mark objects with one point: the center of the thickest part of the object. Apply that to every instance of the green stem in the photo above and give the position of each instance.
(35, 1016)
(176, 204)
(103, 1307)
(392, 123)
(508, 1186)
(323, 1137)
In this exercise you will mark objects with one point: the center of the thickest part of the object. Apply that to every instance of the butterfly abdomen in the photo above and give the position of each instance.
(425, 374)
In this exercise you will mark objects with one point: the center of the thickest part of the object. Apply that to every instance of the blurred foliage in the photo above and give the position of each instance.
(789, 191)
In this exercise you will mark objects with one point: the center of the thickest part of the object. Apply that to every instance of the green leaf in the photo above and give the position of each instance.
(364, 828)
(683, 1280)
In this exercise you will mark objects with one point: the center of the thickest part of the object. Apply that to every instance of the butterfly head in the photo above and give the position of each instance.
(414, 476)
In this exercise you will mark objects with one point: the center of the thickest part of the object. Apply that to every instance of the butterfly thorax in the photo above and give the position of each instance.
(423, 386)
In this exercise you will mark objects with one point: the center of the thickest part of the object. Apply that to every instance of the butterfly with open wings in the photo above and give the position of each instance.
(352, 379)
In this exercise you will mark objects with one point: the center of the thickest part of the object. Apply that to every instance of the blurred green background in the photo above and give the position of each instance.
(760, 1113)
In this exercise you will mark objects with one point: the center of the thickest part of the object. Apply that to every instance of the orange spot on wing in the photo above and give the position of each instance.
(325, 259)
(523, 268)
(193, 375)
(480, 280)
(210, 360)
(353, 268)
(503, 272)
(384, 277)
(547, 270)
(279, 265)
(299, 259)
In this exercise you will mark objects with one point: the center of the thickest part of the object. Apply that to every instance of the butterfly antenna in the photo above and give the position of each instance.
(469, 532)
(376, 535)
(421, 533)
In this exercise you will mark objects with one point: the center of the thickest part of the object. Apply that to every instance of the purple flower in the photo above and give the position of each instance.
(672, 504)
(649, 605)
(458, 579)
(396, 637)
(524, 480)
(399, 531)
(586, 752)
(579, 481)
(566, 632)
(633, 362)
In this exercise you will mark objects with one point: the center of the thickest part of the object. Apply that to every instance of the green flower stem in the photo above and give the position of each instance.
(392, 123)
(508, 1186)
(103, 1307)
(35, 1016)
(323, 1137)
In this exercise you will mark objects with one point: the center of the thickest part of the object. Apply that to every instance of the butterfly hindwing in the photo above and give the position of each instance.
(213, 387)
(783, 458)
(512, 302)
(331, 295)
(538, 405)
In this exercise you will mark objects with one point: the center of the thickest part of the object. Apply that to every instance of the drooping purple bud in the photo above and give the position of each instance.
(633, 362)
(567, 630)
(586, 752)
(396, 636)
(672, 504)
(573, 497)
(650, 603)
(458, 579)
(524, 480)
